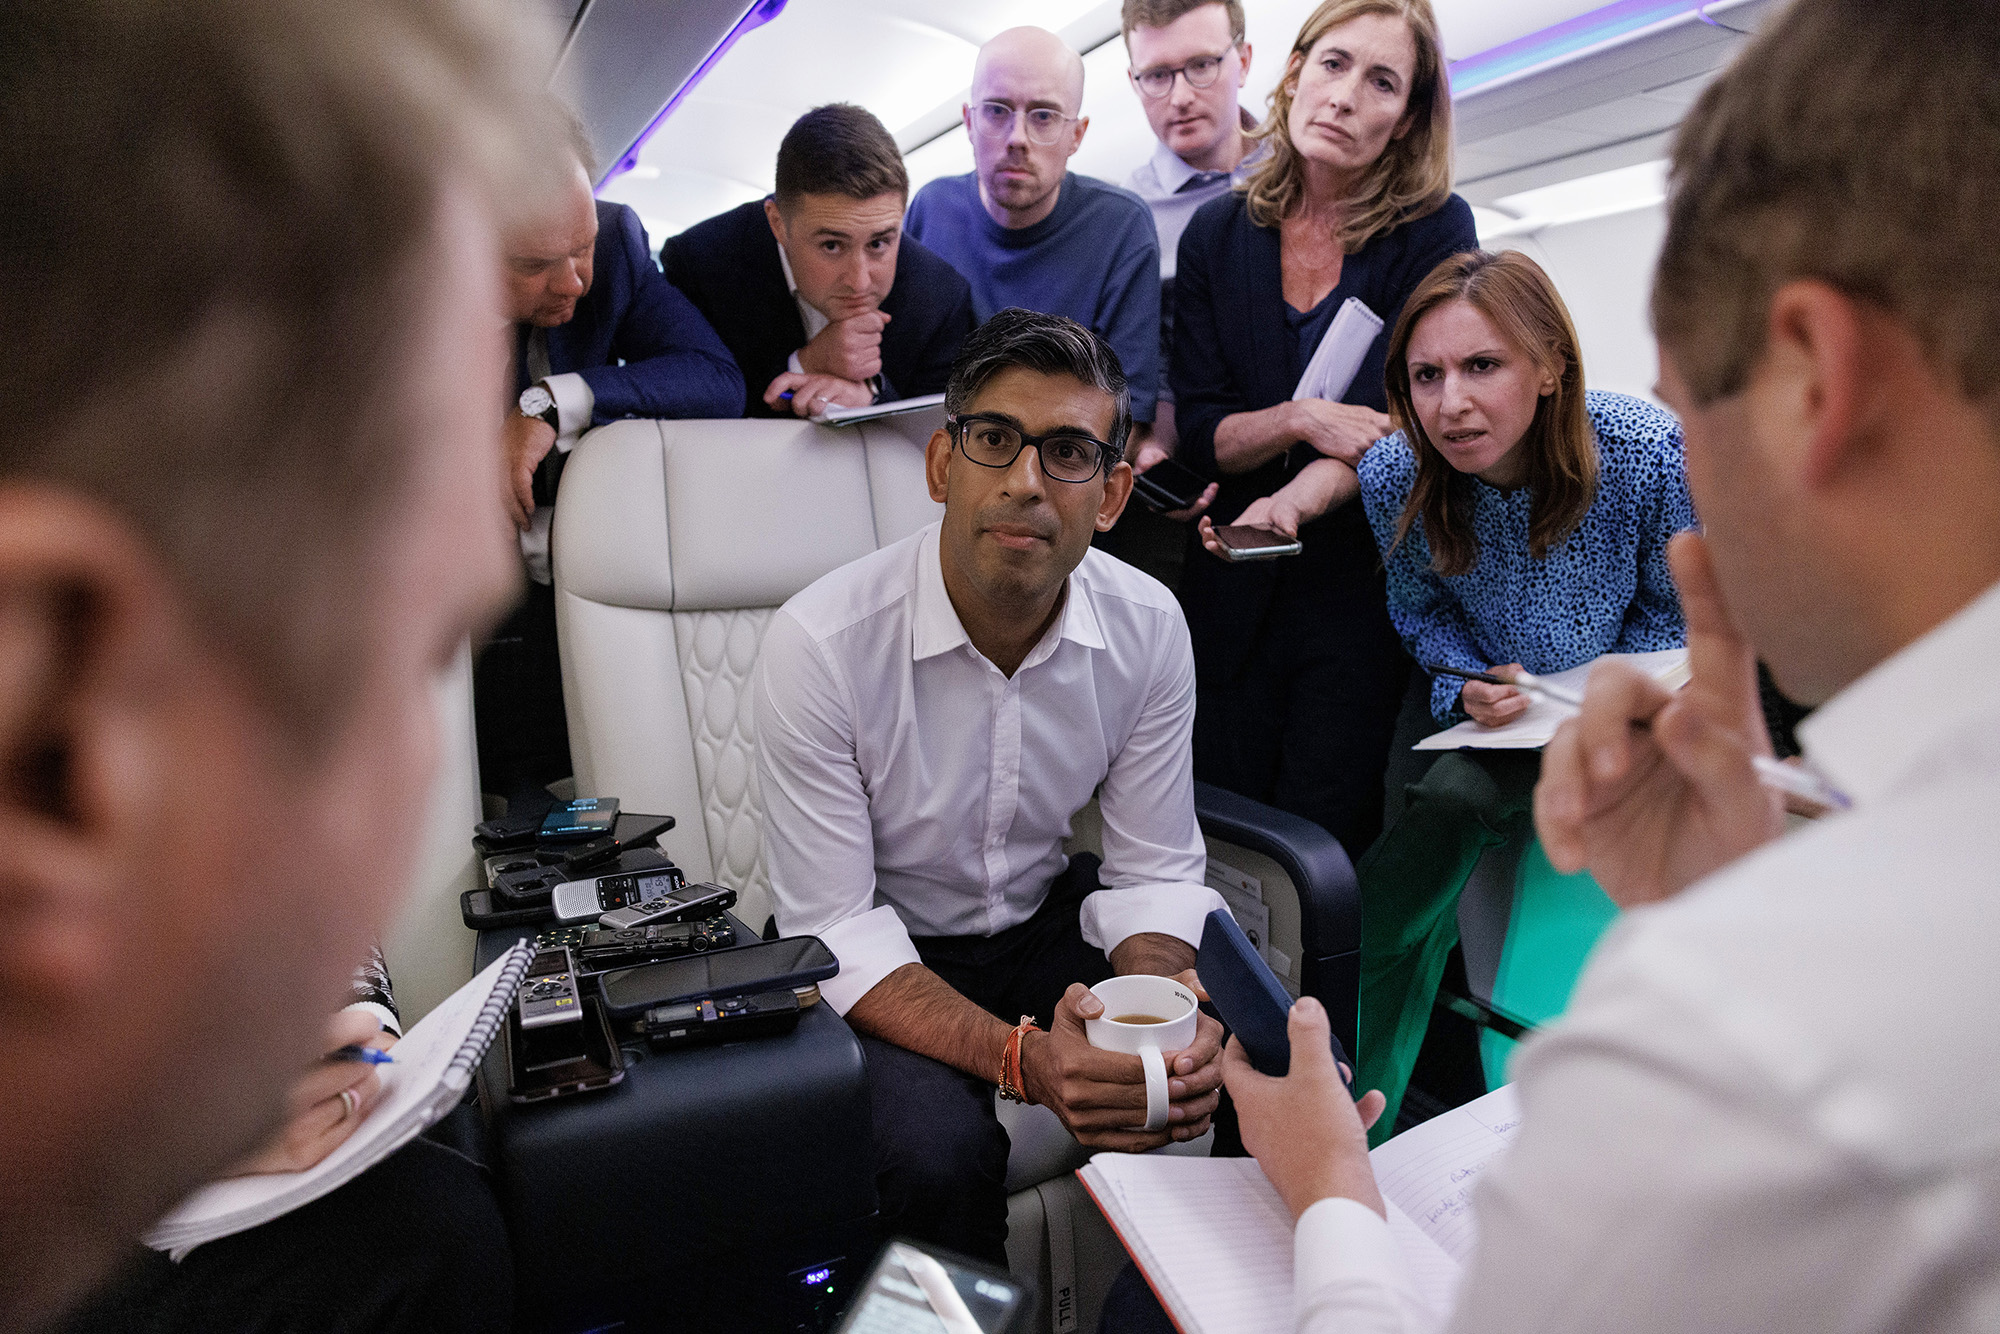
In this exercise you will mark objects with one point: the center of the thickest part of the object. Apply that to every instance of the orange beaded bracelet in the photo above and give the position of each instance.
(1010, 1060)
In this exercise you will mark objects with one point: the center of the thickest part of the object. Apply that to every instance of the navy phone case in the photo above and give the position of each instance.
(1249, 997)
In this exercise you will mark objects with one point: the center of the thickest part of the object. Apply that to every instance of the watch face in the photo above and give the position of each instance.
(535, 400)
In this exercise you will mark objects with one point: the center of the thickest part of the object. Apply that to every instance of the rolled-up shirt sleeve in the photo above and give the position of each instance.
(819, 846)
(1155, 863)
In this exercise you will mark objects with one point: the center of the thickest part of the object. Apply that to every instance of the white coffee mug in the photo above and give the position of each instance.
(1160, 999)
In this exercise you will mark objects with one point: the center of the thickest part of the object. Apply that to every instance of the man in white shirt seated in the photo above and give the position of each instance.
(929, 719)
(1774, 1103)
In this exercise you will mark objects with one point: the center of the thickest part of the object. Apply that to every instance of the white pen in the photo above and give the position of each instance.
(1787, 778)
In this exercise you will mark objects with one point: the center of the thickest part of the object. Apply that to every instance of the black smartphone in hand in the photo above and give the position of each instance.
(1251, 999)
(1168, 485)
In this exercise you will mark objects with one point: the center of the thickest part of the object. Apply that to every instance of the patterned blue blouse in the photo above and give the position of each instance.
(1603, 589)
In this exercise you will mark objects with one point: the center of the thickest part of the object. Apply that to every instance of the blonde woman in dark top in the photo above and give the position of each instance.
(1299, 671)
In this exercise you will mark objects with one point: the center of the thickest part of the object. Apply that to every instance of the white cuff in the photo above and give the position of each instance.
(870, 947)
(383, 1015)
(1349, 1272)
(575, 401)
(792, 364)
(1110, 916)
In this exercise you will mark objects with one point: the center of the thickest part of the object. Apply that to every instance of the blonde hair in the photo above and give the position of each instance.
(1412, 178)
(1512, 291)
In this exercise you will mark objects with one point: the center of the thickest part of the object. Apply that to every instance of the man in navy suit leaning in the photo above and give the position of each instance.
(598, 335)
(816, 290)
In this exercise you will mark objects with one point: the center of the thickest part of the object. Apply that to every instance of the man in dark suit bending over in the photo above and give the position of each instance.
(816, 291)
(598, 335)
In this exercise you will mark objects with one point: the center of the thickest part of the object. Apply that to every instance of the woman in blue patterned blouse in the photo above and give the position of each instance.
(1523, 523)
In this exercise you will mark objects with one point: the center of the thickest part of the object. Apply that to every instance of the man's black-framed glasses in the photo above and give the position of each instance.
(995, 442)
(1201, 72)
(995, 120)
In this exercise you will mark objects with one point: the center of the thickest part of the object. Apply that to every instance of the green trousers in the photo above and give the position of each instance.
(1410, 880)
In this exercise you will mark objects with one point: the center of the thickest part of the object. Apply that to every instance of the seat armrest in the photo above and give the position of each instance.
(1329, 897)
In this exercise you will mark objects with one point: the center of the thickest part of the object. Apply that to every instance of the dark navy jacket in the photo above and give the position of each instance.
(641, 346)
(1235, 351)
(728, 266)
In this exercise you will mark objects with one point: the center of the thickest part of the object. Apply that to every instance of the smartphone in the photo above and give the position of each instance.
(563, 1060)
(766, 966)
(1168, 485)
(1250, 998)
(917, 1289)
(590, 817)
(1242, 542)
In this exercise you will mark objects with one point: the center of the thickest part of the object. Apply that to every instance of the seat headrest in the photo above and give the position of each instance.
(715, 515)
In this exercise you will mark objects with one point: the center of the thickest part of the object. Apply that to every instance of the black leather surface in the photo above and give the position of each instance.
(684, 1197)
(1329, 897)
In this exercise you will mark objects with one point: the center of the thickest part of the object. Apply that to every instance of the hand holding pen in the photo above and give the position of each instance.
(330, 1099)
(1652, 789)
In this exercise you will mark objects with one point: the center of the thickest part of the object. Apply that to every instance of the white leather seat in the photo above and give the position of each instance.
(673, 544)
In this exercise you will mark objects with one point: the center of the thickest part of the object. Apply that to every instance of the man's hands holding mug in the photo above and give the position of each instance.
(1101, 1095)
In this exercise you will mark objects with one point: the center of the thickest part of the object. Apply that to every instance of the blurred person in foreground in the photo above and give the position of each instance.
(258, 510)
(1771, 1103)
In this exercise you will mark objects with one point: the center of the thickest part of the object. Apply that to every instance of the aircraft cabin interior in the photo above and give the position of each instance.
(776, 715)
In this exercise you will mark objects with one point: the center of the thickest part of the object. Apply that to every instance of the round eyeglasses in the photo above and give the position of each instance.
(995, 120)
(995, 442)
(1200, 72)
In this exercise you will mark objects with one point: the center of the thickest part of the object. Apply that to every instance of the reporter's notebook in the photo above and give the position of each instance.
(1215, 1241)
(1537, 727)
(433, 1067)
(874, 411)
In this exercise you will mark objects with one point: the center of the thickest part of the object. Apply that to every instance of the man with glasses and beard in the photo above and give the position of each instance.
(930, 719)
(1025, 231)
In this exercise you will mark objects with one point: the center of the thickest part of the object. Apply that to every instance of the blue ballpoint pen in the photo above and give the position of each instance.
(366, 1055)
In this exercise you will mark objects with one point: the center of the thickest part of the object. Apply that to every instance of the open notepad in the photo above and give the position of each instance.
(1215, 1241)
(433, 1067)
(1537, 727)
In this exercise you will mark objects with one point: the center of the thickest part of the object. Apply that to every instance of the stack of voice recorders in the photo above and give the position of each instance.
(646, 953)
(528, 857)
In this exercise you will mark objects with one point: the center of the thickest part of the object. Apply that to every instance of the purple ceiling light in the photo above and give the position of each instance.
(1568, 37)
(760, 13)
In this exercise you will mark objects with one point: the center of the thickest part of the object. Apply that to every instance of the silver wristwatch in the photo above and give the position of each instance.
(537, 401)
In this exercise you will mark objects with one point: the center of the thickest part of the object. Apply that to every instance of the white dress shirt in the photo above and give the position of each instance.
(1774, 1103)
(912, 789)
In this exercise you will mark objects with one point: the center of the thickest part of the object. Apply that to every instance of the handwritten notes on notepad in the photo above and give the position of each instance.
(1429, 1170)
(1537, 726)
(1215, 1241)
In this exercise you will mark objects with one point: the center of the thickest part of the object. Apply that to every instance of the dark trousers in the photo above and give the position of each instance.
(1305, 724)
(414, 1245)
(940, 1152)
(1467, 802)
(517, 700)
(1131, 1308)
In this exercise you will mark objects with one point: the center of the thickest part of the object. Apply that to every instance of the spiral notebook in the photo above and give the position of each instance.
(433, 1068)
